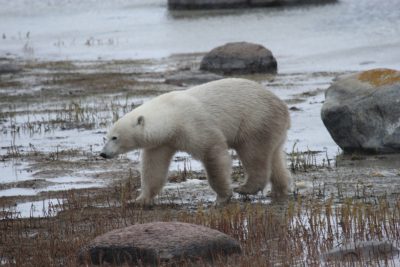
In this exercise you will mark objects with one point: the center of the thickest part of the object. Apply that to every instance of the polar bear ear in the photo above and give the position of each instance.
(140, 120)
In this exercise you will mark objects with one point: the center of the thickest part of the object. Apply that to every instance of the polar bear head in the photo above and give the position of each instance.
(126, 134)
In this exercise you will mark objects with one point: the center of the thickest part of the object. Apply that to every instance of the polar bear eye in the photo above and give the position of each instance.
(114, 138)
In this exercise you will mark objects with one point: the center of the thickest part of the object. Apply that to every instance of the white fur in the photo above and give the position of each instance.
(205, 121)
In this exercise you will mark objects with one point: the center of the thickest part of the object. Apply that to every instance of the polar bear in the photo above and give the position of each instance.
(205, 121)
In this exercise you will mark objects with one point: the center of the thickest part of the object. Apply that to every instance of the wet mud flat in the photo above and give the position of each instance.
(56, 193)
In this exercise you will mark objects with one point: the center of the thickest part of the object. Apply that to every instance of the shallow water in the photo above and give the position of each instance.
(348, 35)
(43, 208)
(14, 172)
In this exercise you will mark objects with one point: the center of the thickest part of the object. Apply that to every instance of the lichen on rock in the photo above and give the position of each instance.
(380, 77)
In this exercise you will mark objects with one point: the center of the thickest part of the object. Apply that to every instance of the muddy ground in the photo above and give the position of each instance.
(43, 102)
(54, 116)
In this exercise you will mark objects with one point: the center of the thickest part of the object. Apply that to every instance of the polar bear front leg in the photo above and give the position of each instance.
(218, 165)
(155, 163)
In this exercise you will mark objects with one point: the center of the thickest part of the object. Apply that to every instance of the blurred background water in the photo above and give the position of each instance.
(348, 35)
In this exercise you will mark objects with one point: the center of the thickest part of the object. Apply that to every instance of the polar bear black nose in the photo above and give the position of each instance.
(104, 155)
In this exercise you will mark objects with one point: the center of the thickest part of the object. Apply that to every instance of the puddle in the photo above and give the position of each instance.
(42, 208)
(18, 192)
(67, 185)
(14, 171)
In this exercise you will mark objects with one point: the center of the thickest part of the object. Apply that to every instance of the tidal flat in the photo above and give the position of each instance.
(56, 193)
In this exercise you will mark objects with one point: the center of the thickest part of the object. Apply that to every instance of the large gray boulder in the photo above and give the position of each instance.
(239, 58)
(154, 243)
(207, 4)
(362, 111)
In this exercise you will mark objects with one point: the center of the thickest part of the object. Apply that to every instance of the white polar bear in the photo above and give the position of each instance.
(205, 121)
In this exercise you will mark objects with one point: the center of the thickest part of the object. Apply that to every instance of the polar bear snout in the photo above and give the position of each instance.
(109, 150)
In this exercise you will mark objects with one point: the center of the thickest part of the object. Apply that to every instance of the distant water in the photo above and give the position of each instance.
(349, 35)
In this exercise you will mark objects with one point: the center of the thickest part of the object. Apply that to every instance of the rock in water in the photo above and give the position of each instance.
(152, 243)
(361, 250)
(9, 68)
(362, 111)
(239, 58)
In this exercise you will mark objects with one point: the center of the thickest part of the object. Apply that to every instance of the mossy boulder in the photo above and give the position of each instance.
(362, 111)
(158, 242)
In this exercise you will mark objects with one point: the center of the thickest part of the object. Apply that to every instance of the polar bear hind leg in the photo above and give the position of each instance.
(264, 163)
(257, 167)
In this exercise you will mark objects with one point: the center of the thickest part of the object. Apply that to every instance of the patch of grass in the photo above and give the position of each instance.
(55, 65)
(306, 160)
(10, 84)
(292, 233)
(93, 81)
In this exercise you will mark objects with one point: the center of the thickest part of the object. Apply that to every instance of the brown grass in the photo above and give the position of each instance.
(93, 80)
(291, 233)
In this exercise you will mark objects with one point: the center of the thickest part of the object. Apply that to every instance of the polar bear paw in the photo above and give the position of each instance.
(247, 190)
(222, 200)
(142, 201)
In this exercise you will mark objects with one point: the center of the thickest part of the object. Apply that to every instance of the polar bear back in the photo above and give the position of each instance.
(241, 108)
(190, 120)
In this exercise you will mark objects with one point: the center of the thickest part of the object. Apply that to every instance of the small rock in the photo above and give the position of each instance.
(294, 108)
(239, 58)
(361, 250)
(8, 68)
(362, 111)
(152, 243)
(192, 78)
